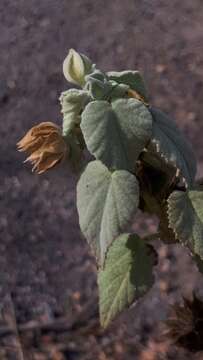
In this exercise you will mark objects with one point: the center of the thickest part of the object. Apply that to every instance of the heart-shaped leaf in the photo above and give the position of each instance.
(116, 133)
(127, 275)
(106, 202)
(185, 213)
(168, 141)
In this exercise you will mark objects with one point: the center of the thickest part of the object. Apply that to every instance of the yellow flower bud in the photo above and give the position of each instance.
(45, 146)
(75, 67)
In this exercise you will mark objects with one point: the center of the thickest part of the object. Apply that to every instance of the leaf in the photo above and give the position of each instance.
(101, 88)
(155, 180)
(106, 202)
(130, 78)
(185, 214)
(166, 234)
(98, 85)
(72, 101)
(127, 275)
(152, 159)
(168, 141)
(116, 133)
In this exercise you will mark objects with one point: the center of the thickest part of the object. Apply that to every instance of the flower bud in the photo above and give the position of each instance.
(76, 66)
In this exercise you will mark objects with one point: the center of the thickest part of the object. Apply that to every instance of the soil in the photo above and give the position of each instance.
(46, 269)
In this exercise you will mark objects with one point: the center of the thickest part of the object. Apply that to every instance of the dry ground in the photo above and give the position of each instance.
(45, 266)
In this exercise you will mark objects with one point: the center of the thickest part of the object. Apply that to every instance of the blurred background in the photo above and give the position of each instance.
(46, 269)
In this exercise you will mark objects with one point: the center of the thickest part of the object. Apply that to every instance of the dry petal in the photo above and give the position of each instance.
(47, 161)
(45, 146)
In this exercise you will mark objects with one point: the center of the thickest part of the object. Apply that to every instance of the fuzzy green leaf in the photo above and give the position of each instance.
(131, 78)
(97, 85)
(168, 141)
(100, 88)
(106, 202)
(185, 213)
(116, 133)
(72, 101)
(127, 275)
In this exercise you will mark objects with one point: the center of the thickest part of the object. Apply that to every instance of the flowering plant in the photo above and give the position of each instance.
(141, 161)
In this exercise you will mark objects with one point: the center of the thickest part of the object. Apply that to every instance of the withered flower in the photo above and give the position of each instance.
(45, 146)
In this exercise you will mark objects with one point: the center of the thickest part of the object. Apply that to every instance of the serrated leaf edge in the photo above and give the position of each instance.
(168, 212)
(178, 170)
(108, 319)
(177, 237)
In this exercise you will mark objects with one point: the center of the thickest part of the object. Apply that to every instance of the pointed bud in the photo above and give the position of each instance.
(76, 66)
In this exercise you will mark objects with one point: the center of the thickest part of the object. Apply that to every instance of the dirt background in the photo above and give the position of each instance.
(45, 264)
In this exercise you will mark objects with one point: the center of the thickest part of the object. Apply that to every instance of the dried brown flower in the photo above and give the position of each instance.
(45, 146)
